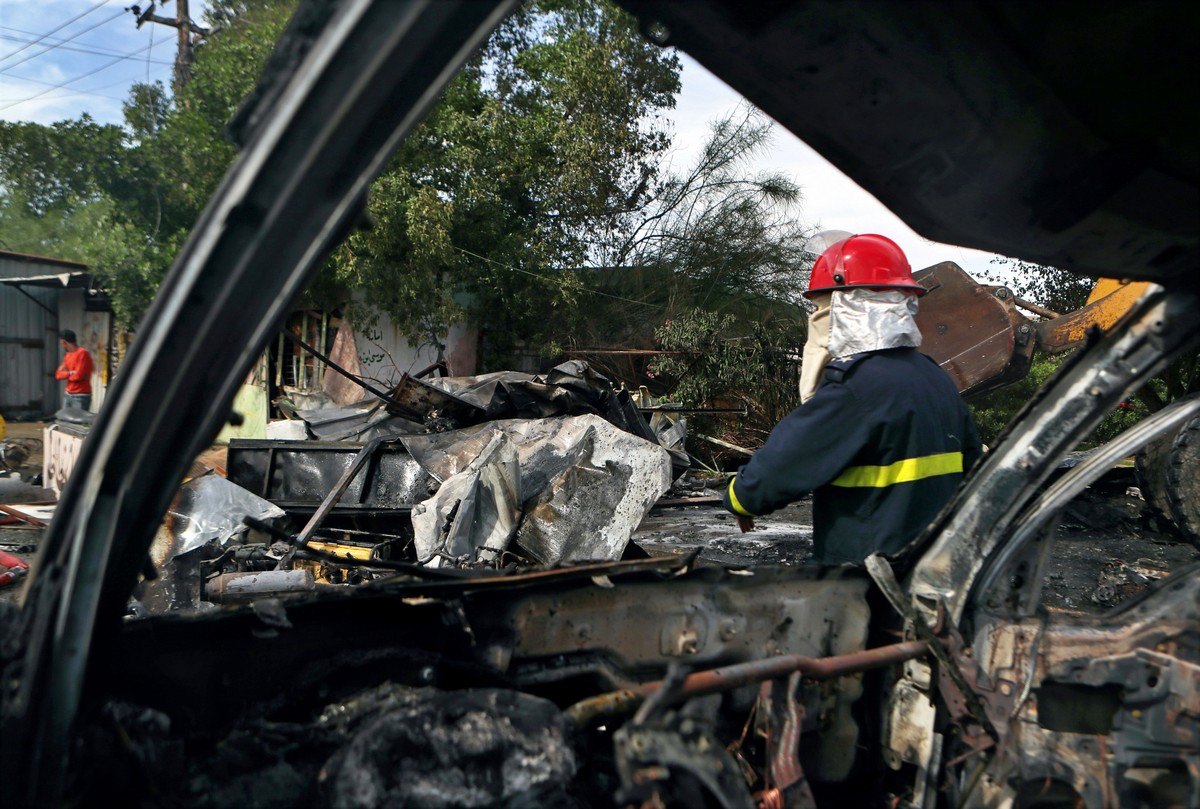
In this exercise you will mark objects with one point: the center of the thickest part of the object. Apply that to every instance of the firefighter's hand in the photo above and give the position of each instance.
(746, 524)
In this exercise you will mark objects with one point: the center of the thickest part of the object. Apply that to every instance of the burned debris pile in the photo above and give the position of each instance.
(505, 470)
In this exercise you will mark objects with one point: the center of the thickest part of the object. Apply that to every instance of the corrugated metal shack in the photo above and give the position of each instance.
(40, 296)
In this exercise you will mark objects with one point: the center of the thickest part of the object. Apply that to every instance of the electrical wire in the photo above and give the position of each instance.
(576, 286)
(99, 5)
(77, 78)
(58, 44)
(73, 49)
(94, 92)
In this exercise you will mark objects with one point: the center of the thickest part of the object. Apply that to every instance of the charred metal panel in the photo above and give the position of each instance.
(550, 632)
(297, 475)
(421, 402)
(1107, 707)
(1073, 708)
(713, 617)
(207, 510)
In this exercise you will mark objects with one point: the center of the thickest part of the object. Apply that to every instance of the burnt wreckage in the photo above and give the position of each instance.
(931, 679)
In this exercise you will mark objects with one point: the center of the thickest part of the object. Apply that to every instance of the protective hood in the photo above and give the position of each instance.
(871, 320)
(853, 321)
(816, 353)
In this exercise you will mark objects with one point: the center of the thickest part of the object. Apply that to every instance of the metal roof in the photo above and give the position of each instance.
(22, 268)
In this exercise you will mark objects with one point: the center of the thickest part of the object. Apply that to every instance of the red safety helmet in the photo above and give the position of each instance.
(865, 260)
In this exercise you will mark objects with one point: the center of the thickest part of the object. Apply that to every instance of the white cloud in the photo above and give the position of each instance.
(77, 44)
(830, 198)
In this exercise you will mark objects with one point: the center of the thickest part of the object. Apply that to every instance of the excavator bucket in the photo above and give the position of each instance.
(973, 331)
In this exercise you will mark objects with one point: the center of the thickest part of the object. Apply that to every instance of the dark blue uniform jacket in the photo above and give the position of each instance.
(882, 445)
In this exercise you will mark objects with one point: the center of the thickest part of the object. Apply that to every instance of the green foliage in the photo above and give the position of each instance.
(719, 226)
(542, 160)
(48, 169)
(122, 199)
(1049, 287)
(727, 359)
(538, 148)
(993, 411)
(715, 237)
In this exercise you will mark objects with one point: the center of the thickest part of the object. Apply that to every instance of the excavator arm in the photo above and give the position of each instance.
(981, 336)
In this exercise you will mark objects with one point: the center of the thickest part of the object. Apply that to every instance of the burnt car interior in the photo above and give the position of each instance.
(931, 679)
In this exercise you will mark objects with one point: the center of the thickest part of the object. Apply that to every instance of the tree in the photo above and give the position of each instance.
(718, 226)
(542, 160)
(59, 167)
(65, 191)
(1049, 287)
(491, 208)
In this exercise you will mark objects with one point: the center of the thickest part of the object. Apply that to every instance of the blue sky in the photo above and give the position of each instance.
(61, 58)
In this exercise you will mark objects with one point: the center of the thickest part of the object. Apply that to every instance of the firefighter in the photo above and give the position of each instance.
(882, 437)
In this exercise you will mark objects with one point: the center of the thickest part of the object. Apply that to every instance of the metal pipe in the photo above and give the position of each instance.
(1037, 310)
(235, 587)
(614, 703)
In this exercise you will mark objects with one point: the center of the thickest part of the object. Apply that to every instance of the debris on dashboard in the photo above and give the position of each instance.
(202, 531)
(436, 486)
(564, 489)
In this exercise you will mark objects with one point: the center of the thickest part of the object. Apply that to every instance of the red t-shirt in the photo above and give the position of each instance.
(76, 368)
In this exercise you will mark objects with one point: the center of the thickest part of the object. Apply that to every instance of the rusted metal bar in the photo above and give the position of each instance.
(21, 515)
(1029, 306)
(713, 681)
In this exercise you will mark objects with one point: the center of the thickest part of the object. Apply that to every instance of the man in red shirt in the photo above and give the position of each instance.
(76, 368)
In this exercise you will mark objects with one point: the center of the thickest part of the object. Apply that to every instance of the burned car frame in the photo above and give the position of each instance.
(931, 679)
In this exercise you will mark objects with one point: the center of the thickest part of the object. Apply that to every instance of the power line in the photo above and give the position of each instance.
(75, 49)
(99, 5)
(77, 78)
(576, 286)
(93, 92)
(53, 47)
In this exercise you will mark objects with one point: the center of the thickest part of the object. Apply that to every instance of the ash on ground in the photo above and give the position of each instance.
(1111, 545)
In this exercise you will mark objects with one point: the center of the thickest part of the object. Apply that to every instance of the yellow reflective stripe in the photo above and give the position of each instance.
(733, 501)
(910, 469)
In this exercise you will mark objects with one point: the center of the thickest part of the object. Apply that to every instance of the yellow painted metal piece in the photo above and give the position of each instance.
(1110, 299)
(345, 551)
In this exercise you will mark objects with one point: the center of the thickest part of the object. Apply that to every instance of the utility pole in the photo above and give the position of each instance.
(188, 32)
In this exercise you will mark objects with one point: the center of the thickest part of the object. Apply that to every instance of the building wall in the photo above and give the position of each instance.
(385, 354)
(93, 330)
(28, 346)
